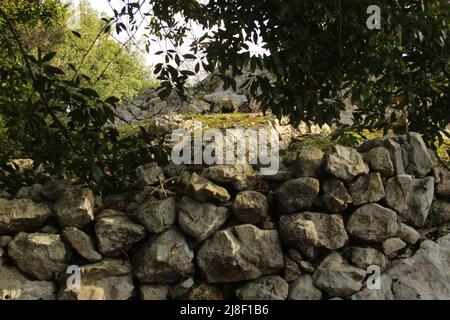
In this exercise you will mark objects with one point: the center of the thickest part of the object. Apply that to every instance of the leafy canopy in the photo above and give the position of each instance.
(320, 53)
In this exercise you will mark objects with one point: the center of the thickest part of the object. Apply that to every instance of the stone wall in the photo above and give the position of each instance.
(225, 232)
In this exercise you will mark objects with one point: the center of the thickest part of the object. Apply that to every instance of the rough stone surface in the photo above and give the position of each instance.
(202, 190)
(240, 253)
(22, 215)
(82, 244)
(200, 220)
(250, 207)
(303, 289)
(439, 213)
(204, 291)
(425, 275)
(42, 256)
(420, 162)
(75, 207)
(264, 288)
(408, 234)
(116, 233)
(154, 292)
(345, 163)
(106, 280)
(398, 189)
(335, 196)
(379, 160)
(392, 246)
(366, 257)
(372, 222)
(241, 176)
(308, 161)
(296, 195)
(367, 189)
(297, 232)
(157, 215)
(336, 277)
(442, 183)
(164, 258)
(149, 174)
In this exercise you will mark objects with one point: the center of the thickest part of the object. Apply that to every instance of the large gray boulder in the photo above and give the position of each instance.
(42, 256)
(308, 230)
(250, 207)
(202, 189)
(157, 215)
(337, 278)
(367, 189)
(439, 213)
(366, 257)
(240, 253)
(116, 233)
(308, 161)
(241, 176)
(379, 160)
(420, 161)
(164, 258)
(75, 207)
(373, 222)
(200, 220)
(345, 163)
(304, 289)
(264, 288)
(335, 196)
(296, 195)
(15, 286)
(82, 244)
(22, 215)
(442, 182)
(106, 280)
(425, 275)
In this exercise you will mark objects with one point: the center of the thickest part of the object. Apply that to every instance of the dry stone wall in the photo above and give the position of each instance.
(226, 232)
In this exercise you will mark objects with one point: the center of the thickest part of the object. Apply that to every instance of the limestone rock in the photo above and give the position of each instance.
(439, 213)
(304, 289)
(296, 195)
(82, 244)
(442, 182)
(204, 291)
(337, 277)
(202, 190)
(164, 258)
(408, 234)
(106, 280)
(367, 189)
(335, 196)
(392, 246)
(157, 215)
(22, 215)
(291, 270)
(54, 189)
(149, 174)
(200, 220)
(345, 163)
(372, 222)
(398, 189)
(250, 207)
(154, 292)
(366, 257)
(40, 255)
(241, 176)
(379, 160)
(264, 288)
(425, 275)
(14, 286)
(75, 207)
(307, 230)
(308, 160)
(420, 162)
(240, 253)
(32, 192)
(116, 233)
